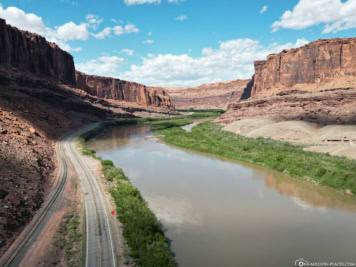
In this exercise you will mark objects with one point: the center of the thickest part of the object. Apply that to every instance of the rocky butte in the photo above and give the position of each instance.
(320, 65)
(207, 96)
(116, 89)
(314, 83)
(31, 53)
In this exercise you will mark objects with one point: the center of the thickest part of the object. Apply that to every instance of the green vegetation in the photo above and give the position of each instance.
(203, 113)
(336, 172)
(220, 111)
(141, 229)
(70, 239)
(170, 124)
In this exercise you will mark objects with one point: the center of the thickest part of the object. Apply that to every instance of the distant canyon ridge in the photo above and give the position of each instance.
(314, 83)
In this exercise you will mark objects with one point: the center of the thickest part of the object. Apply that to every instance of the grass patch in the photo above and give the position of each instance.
(70, 239)
(148, 245)
(170, 124)
(332, 171)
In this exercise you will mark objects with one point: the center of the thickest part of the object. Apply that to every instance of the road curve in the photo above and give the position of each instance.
(99, 247)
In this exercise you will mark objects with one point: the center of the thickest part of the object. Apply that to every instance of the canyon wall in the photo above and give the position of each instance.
(320, 65)
(207, 96)
(116, 89)
(31, 53)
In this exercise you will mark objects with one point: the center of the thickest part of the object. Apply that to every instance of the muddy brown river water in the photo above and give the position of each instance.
(220, 212)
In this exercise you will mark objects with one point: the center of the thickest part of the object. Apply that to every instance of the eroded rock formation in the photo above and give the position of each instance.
(324, 108)
(116, 89)
(207, 96)
(31, 53)
(320, 65)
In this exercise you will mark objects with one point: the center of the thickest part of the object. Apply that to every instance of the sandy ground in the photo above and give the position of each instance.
(338, 140)
(116, 226)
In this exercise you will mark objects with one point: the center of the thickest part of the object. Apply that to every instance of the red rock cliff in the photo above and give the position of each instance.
(31, 52)
(116, 89)
(323, 64)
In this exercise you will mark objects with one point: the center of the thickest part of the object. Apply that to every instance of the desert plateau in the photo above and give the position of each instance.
(169, 133)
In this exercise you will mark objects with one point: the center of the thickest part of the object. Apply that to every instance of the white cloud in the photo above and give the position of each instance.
(72, 31)
(128, 52)
(140, 2)
(264, 9)
(94, 21)
(232, 60)
(128, 29)
(131, 28)
(181, 17)
(148, 42)
(150, 33)
(18, 18)
(103, 34)
(334, 14)
(33, 23)
(101, 66)
(118, 30)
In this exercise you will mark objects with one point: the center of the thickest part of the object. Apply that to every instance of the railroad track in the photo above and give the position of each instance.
(27, 238)
(99, 246)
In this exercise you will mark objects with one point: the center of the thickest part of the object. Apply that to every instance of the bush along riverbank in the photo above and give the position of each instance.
(324, 169)
(143, 232)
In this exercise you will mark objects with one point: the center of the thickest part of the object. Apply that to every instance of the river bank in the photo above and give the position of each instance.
(222, 212)
(320, 168)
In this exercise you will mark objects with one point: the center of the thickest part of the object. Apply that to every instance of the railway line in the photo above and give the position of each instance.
(99, 246)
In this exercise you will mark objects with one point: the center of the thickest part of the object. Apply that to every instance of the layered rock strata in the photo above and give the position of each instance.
(31, 53)
(116, 89)
(207, 96)
(320, 65)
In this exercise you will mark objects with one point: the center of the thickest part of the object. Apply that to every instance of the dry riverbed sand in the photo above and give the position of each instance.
(338, 140)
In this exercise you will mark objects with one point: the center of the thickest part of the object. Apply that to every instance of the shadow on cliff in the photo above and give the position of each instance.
(47, 107)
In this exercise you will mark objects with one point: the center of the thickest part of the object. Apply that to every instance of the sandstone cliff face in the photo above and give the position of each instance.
(31, 53)
(320, 65)
(116, 89)
(207, 96)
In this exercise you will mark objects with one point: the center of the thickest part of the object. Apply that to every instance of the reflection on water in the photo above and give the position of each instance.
(219, 212)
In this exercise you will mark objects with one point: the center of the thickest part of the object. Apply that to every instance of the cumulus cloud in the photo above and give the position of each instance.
(33, 23)
(264, 9)
(232, 60)
(334, 14)
(103, 34)
(148, 42)
(128, 29)
(140, 2)
(181, 17)
(72, 31)
(128, 52)
(93, 21)
(131, 28)
(101, 66)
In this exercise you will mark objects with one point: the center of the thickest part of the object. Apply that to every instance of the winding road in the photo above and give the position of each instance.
(100, 245)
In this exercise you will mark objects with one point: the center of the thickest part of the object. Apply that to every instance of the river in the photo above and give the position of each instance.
(220, 212)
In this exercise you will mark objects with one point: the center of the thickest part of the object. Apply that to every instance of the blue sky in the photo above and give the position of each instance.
(175, 42)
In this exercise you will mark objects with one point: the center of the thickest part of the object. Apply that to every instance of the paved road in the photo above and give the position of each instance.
(99, 247)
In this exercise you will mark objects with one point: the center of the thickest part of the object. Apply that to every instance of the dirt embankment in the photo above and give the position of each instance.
(338, 140)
